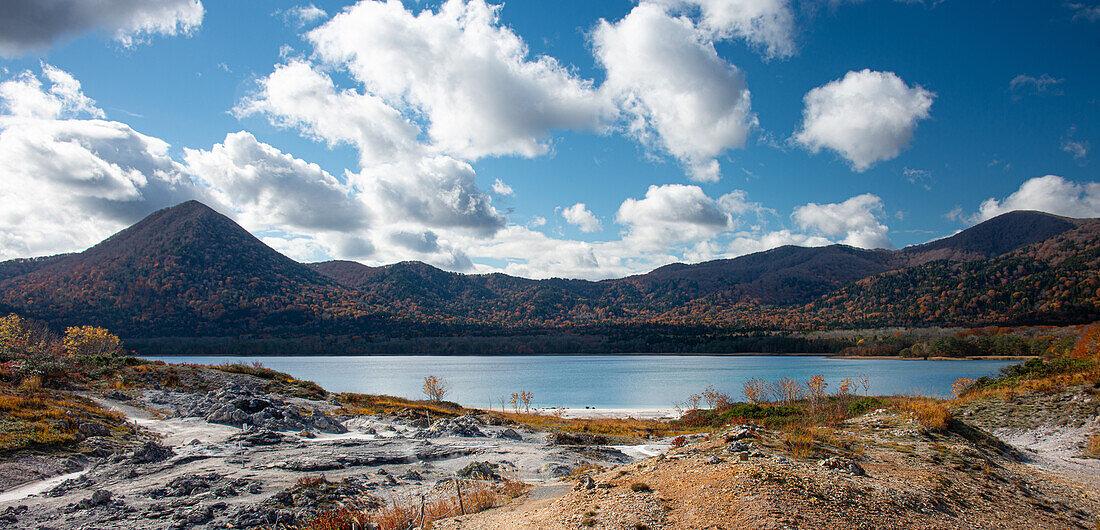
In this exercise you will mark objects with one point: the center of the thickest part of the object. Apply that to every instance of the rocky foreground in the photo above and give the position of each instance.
(231, 453)
(876, 471)
(242, 457)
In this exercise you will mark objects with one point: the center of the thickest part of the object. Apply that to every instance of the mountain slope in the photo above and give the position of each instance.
(189, 271)
(997, 236)
(786, 275)
(182, 270)
(1054, 281)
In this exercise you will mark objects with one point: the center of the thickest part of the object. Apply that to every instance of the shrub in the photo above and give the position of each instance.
(786, 390)
(817, 385)
(862, 405)
(90, 341)
(756, 390)
(435, 388)
(640, 487)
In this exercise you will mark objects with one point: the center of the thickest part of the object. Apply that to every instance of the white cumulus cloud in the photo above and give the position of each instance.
(767, 25)
(500, 188)
(1051, 194)
(866, 117)
(271, 189)
(672, 213)
(469, 78)
(297, 95)
(856, 221)
(36, 25)
(71, 182)
(683, 98)
(582, 217)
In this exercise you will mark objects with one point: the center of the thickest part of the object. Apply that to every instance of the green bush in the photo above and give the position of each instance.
(862, 405)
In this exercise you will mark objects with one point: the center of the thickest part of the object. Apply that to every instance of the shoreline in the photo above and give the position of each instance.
(619, 354)
(638, 413)
(967, 358)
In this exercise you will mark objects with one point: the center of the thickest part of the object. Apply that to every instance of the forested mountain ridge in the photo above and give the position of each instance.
(188, 271)
(182, 270)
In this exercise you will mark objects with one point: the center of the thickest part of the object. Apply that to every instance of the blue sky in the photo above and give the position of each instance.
(376, 133)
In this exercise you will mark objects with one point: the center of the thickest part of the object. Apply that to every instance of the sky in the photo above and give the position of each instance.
(570, 138)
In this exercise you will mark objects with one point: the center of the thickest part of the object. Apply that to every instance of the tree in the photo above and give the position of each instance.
(435, 388)
(91, 341)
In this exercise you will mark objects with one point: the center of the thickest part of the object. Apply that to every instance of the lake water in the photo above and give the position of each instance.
(602, 381)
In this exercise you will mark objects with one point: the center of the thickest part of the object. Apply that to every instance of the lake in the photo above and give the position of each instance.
(602, 381)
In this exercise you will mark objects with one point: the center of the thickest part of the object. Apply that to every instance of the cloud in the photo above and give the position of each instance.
(69, 183)
(579, 215)
(919, 177)
(36, 25)
(1079, 150)
(1084, 11)
(766, 25)
(470, 80)
(303, 15)
(866, 117)
(683, 98)
(297, 95)
(1051, 194)
(672, 213)
(438, 192)
(855, 220)
(24, 96)
(1026, 85)
(500, 188)
(271, 189)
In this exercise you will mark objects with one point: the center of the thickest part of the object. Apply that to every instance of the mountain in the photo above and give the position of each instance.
(1053, 281)
(183, 270)
(997, 236)
(782, 276)
(188, 271)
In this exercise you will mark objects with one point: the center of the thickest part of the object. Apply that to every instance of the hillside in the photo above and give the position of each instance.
(995, 237)
(1055, 281)
(188, 271)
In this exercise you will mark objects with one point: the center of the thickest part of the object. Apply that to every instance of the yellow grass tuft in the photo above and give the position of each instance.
(1092, 447)
(932, 414)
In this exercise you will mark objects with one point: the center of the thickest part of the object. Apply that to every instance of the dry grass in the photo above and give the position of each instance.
(1044, 385)
(46, 419)
(1092, 446)
(933, 415)
(422, 511)
(620, 427)
(800, 442)
(361, 404)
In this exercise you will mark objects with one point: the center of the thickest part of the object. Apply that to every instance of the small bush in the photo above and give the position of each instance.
(678, 441)
(640, 487)
(862, 405)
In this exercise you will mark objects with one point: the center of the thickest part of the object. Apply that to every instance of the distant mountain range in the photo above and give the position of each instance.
(187, 272)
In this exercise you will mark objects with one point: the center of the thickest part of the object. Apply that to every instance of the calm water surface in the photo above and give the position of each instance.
(602, 381)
